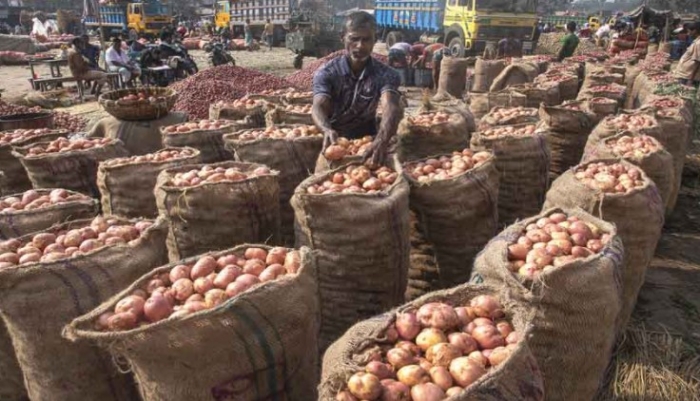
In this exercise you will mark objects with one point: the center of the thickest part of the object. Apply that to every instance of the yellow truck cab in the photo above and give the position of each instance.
(222, 17)
(148, 17)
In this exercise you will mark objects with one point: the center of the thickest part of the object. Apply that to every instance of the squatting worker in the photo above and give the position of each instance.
(688, 69)
(349, 89)
(80, 67)
(398, 54)
(569, 42)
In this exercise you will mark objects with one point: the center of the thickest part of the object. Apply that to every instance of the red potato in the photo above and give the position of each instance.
(199, 286)
(61, 145)
(274, 132)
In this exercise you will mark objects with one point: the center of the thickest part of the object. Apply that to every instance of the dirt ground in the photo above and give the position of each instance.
(669, 302)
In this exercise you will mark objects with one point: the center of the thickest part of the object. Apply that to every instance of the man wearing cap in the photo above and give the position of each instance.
(688, 69)
(349, 89)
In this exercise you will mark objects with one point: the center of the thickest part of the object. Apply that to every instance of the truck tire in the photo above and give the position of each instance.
(456, 46)
(393, 38)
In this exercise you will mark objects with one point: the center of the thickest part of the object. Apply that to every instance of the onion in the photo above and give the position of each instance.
(466, 371)
(365, 386)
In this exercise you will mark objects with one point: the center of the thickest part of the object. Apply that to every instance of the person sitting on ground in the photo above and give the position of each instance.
(80, 67)
(509, 47)
(688, 69)
(569, 42)
(118, 61)
(398, 55)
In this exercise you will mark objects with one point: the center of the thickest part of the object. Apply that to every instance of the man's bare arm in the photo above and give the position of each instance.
(321, 115)
(391, 116)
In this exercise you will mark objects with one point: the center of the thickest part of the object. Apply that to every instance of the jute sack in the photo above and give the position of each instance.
(258, 345)
(675, 127)
(16, 178)
(450, 104)
(277, 116)
(540, 61)
(602, 78)
(514, 74)
(423, 271)
(575, 307)
(567, 83)
(213, 216)
(481, 103)
(457, 216)
(638, 216)
(254, 114)
(523, 164)
(497, 117)
(420, 141)
(22, 222)
(611, 91)
(453, 77)
(518, 379)
(601, 107)
(210, 143)
(542, 93)
(11, 380)
(127, 189)
(485, 71)
(139, 137)
(608, 127)
(295, 160)
(643, 87)
(566, 132)
(631, 75)
(37, 300)
(75, 170)
(657, 165)
(361, 243)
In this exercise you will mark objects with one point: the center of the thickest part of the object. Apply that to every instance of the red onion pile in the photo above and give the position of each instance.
(222, 83)
(438, 351)
(446, 167)
(61, 120)
(609, 178)
(210, 174)
(304, 77)
(191, 288)
(31, 200)
(552, 242)
(356, 179)
(51, 246)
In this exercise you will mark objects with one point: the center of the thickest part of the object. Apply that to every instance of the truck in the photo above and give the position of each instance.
(313, 31)
(235, 13)
(142, 18)
(465, 26)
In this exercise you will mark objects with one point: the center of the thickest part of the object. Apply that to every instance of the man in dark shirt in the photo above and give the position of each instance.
(91, 53)
(349, 89)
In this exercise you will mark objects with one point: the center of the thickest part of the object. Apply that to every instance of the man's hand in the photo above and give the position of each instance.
(330, 137)
(375, 156)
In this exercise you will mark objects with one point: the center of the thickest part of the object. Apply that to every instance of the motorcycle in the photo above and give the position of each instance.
(218, 55)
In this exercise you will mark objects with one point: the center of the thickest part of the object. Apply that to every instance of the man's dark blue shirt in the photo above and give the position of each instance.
(92, 53)
(355, 98)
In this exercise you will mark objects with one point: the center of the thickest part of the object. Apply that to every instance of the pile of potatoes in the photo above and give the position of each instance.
(613, 178)
(633, 146)
(210, 174)
(356, 179)
(201, 125)
(32, 199)
(446, 167)
(157, 157)
(429, 119)
(61, 145)
(19, 135)
(510, 130)
(347, 147)
(275, 132)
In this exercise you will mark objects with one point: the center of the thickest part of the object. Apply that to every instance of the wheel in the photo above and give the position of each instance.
(393, 38)
(298, 61)
(456, 47)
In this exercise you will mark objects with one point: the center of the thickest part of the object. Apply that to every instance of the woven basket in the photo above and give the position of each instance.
(139, 110)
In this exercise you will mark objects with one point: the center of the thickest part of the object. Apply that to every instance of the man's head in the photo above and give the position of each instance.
(694, 29)
(571, 26)
(116, 43)
(78, 43)
(85, 39)
(267, 20)
(360, 35)
(165, 36)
